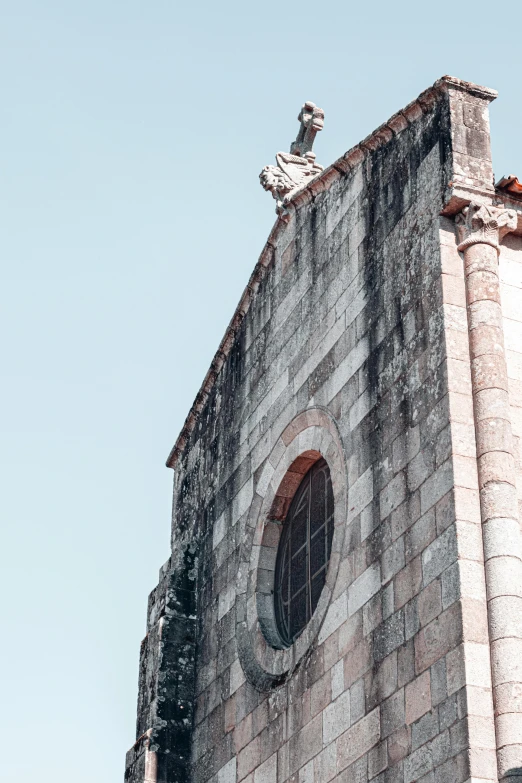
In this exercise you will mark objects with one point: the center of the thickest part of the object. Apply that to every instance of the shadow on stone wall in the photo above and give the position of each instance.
(512, 775)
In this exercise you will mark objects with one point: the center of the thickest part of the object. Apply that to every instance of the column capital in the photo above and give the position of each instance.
(482, 223)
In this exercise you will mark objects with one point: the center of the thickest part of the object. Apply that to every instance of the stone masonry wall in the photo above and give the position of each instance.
(361, 314)
(349, 318)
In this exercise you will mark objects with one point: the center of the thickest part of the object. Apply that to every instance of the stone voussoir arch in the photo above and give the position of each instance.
(312, 434)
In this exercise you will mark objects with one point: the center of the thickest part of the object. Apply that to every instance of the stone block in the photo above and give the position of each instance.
(429, 604)
(392, 495)
(425, 729)
(337, 679)
(418, 697)
(399, 744)
(357, 701)
(363, 588)
(388, 601)
(389, 635)
(381, 682)
(438, 638)
(336, 718)
(248, 759)
(267, 771)
(306, 774)
(377, 760)
(393, 713)
(358, 740)
(306, 744)
(392, 560)
(325, 764)
(439, 555)
(350, 634)
(360, 494)
(408, 582)
(436, 485)
(320, 694)
(417, 764)
(439, 689)
(405, 663)
(227, 774)
(420, 535)
(337, 614)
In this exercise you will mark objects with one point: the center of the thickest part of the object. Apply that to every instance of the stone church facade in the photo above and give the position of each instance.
(380, 332)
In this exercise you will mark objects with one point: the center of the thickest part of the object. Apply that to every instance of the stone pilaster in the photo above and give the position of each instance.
(481, 228)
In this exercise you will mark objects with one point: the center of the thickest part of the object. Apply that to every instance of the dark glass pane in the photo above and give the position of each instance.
(299, 531)
(317, 553)
(298, 571)
(317, 586)
(284, 578)
(298, 614)
(318, 500)
(300, 501)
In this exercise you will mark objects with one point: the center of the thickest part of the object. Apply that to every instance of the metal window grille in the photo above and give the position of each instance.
(304, 552)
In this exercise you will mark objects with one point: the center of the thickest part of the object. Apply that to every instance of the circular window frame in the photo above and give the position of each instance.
(310, 436)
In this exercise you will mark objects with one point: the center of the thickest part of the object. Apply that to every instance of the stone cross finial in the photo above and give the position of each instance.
(312, 121)
(481, 223)
(297, 167)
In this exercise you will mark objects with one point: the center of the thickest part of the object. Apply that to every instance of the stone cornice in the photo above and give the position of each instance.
(305, 195)
(385, 132)
(486, 93)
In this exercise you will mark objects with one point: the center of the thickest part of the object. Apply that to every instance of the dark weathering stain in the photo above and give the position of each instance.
(393, 170)
(391, 191)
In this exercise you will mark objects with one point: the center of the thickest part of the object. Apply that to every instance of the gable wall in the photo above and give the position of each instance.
(360, 315)
(350, 318)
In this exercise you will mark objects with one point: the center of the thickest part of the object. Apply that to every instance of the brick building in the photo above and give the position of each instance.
(373, 368)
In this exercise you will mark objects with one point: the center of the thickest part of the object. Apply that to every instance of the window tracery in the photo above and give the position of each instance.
(304, 552)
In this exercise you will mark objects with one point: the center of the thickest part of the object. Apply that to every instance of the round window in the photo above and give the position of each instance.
(304, 552)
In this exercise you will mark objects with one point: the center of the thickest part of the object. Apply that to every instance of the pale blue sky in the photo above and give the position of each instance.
(133, 134)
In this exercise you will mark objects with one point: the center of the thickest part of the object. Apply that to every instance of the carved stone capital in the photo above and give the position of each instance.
(481, 223)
